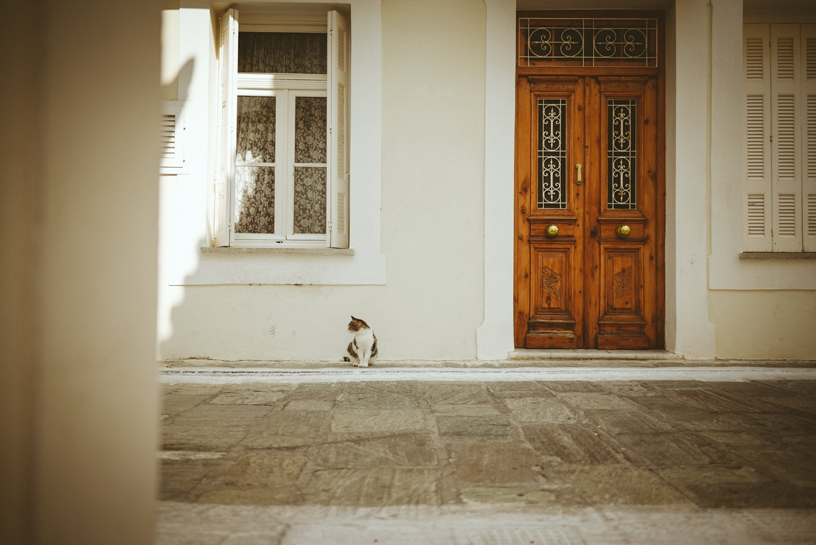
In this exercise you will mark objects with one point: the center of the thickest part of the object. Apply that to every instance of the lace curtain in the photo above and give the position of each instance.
(281, 53)
(255, 185)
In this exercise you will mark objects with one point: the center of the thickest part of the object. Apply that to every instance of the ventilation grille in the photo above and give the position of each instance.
(341, 213)
(341, 130)
(810, 50)
(753, 59)
(784, 58)
(168, 135)
(756, 136)
(786, 123)
(811, 136)
(787, 215)
(811, 211)
(756, 215)
(341, 49)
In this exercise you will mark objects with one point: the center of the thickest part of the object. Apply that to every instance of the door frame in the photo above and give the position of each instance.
(521, 312)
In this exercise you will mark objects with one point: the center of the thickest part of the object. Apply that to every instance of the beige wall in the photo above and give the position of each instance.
(764, 324)
(78, 388)
(432, 210)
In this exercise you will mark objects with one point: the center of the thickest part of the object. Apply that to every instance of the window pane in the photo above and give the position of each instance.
(621, 155)
(255, 200)
(552, 152)
(282, 53)
(256, 129)
(310, 200)
(310, 130)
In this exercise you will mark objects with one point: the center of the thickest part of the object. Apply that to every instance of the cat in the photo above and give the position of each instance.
(363, 349)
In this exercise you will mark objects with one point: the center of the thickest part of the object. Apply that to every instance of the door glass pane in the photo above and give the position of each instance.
(254, 210)
(552, 152)
(256, 130)
(282, 53)
(310, 200)
(621, 156)
(310, 130)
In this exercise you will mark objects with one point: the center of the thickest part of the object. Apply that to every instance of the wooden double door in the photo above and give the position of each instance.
(590, 212)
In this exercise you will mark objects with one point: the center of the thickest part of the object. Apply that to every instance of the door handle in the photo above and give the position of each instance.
(623, 231)
(551, 231)
(578, 180)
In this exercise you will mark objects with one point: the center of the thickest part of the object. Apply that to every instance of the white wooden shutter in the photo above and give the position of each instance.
(172, 138)
(786, 115)
(809, 155)
(227, 112)
(757, 202)
(338, 161)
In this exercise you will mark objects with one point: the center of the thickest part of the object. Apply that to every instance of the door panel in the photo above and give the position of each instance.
(595, 283)
(549, 271)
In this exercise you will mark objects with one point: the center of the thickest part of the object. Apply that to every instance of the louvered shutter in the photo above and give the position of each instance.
(227, 112)
(809, 156)
(338, 93)
(757, 200)
(172, 139)
(786, 129)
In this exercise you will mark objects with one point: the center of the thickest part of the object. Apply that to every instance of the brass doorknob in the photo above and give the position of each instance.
(623, 231)
(552, 231)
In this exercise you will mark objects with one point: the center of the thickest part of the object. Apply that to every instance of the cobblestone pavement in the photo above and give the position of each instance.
(527, 447)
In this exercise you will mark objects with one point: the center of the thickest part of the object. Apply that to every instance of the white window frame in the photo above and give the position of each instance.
(284, 164)
(234, 84)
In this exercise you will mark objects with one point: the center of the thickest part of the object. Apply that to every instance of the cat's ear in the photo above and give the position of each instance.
(353, 318)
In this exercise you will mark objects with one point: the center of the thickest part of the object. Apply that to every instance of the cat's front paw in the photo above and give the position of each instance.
(363, 364)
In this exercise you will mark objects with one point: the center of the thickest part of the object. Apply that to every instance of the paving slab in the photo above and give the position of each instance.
(596, 401)
(571, 443)
(494, 462)
(536, 409)
(374, 487)
(373, 420)
(476, 428)
(621, 485)
(408, 450)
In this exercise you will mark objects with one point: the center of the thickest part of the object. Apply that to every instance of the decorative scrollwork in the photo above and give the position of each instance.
(588, 40)
(552, 153)
(551, 282)
(621, 154)
(622, 283)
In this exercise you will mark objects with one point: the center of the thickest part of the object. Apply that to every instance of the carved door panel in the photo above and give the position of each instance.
(588, 213)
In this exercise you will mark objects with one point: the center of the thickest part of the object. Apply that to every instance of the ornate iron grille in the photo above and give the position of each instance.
(588, 42)
(552, 152)
(621, 154)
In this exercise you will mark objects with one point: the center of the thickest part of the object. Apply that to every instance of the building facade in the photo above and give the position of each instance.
(430, 154)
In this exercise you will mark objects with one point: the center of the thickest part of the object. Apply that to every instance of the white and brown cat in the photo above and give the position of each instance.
(363, 349)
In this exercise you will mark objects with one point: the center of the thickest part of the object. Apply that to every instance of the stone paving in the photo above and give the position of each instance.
(533, 445)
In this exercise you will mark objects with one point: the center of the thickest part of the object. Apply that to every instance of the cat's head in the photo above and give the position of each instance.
(356, 325)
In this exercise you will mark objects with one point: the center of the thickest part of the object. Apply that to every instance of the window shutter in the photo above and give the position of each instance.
(227, 112)
(757, 199)
(786, 115)
(338, 93)
(809, 163)
(172, 138)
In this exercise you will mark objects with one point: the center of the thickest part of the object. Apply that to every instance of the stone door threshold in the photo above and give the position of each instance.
(587, 354)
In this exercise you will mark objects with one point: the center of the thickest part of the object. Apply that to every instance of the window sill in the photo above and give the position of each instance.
(778, 255)
(233, 250)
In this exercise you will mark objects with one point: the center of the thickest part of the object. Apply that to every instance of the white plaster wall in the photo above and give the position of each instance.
(80, 157)
(430, 191)
(771, 324)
